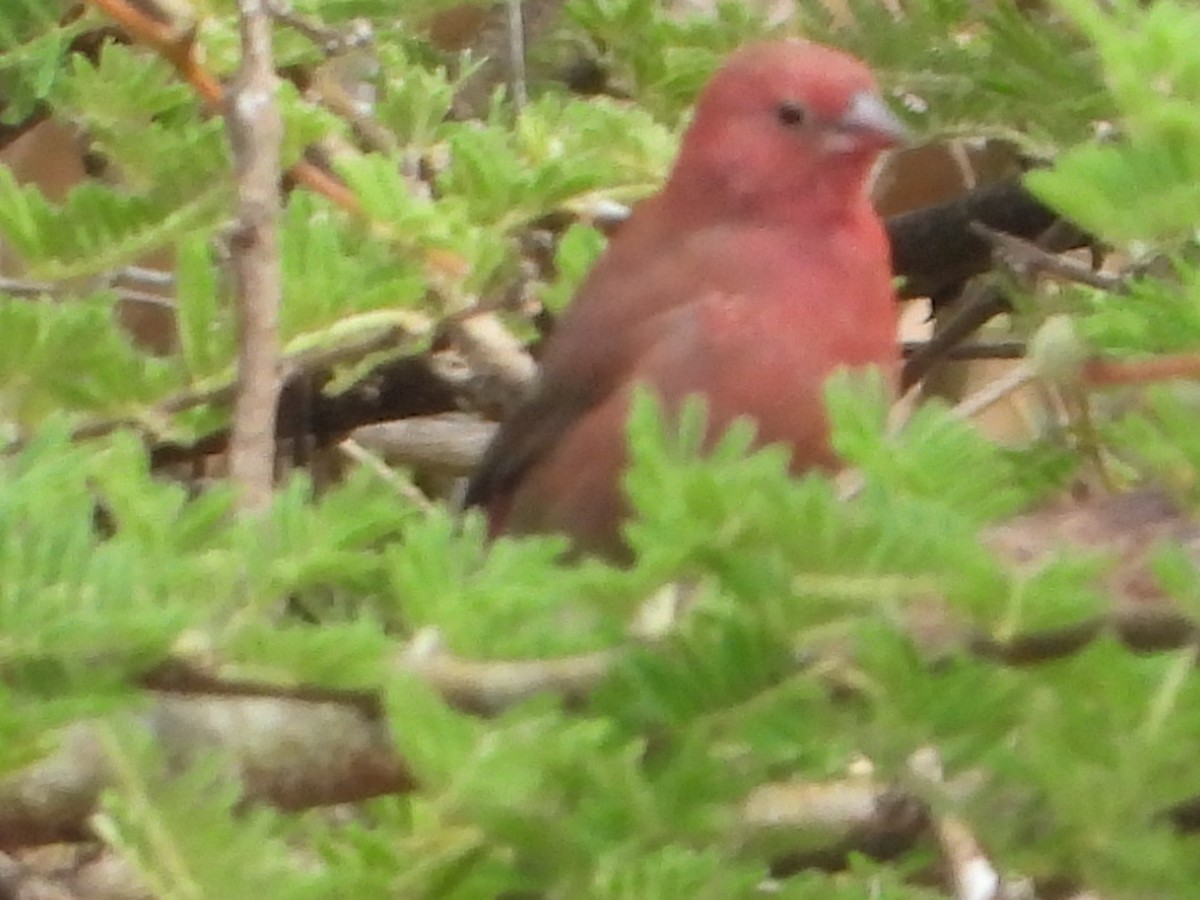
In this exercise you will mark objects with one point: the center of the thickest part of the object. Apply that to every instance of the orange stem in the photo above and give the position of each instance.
(1104, 373)
(175, 48)
(319, 181)
(179, 49)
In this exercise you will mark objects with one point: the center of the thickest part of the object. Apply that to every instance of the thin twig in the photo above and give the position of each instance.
(978, 304)
(17, 287)
(490, 686)
(995, 391)
(971, 350)
(344, 49)
(332, 41)
(496, 48)
(516, 54)
(969, 871)
(1029, 255)
(219, 394)
(404, 488)
(147, 277)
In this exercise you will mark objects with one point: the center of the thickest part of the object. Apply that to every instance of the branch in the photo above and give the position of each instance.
(807, 824)
(971, 350)
(492, 686)
(331, 41)
(397, 389)
(452, 443)
(499, 46)
(291, 753)
(301, 368)
(255, 128)
(498, 360)
(1027, 256)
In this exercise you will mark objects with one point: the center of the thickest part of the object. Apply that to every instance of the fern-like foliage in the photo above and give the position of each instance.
(33, 45)
(1144, 185)
(167, 827)
(98, 228)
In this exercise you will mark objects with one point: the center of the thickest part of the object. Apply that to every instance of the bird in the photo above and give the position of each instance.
(758, 270)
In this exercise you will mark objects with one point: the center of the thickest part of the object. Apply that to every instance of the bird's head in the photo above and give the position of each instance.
(782, 119)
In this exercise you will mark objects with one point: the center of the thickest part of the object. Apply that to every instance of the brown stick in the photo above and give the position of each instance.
(255, 128)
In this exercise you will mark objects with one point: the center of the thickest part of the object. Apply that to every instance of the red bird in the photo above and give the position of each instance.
(758, 270)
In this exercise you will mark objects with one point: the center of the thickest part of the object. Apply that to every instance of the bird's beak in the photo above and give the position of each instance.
(868, 119)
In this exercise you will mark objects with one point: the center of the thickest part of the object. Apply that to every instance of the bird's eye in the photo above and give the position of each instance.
(791, 113)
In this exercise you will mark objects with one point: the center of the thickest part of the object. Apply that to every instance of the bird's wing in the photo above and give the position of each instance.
(651, 268)
(525, 436)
